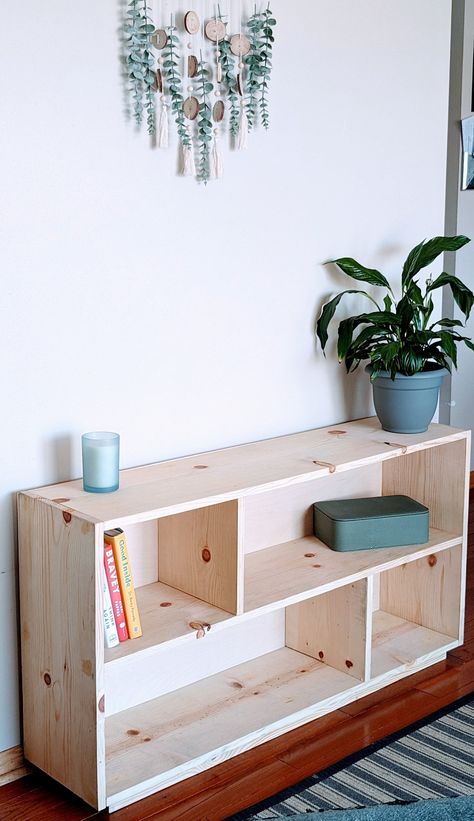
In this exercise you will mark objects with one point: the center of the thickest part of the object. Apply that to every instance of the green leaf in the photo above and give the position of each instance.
(462, 295)
(357, 271)
(427, 251)
(449, 346)
(327, 313)
(448, 323)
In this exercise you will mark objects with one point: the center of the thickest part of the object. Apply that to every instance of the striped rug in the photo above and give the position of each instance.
(435, 760)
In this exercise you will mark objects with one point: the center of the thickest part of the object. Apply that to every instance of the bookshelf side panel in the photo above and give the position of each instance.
(62, 647)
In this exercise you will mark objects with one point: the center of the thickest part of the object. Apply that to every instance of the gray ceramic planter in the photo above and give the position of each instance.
(406, 404)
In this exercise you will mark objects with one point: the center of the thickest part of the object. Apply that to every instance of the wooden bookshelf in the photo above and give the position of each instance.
(294, 630)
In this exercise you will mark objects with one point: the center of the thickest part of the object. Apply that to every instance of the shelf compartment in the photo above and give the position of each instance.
(169, 666)
(398, 643)
(293, 571)
(187, 731)
(166, 615)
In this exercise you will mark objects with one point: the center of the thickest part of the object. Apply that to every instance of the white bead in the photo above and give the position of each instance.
(163, 98)
(216, 131)
(190, 88)
(190, 45)
(217, 93)
(241, 65)
(161, 60)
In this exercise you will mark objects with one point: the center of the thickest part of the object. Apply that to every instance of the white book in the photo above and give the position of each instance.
(110, 630)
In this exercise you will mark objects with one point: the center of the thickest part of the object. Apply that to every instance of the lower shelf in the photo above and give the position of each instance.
(182, 733)
(397, 643)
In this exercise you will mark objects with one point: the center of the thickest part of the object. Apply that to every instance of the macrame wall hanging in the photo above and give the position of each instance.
(205, 71)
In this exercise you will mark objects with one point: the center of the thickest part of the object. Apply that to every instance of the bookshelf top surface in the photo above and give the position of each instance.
(189, 482)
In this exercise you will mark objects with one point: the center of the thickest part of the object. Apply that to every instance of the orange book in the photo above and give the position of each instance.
(116, 539)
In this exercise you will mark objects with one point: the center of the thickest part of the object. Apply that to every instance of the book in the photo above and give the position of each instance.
(110, 630)
(117, 541)
(115, 594)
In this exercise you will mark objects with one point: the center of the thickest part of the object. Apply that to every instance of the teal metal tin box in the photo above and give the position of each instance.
(379, 521)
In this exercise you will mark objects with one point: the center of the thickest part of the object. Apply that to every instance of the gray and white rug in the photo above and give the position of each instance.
(435, 760)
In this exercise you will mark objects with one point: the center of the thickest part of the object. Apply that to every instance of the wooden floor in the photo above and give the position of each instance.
(218, 793)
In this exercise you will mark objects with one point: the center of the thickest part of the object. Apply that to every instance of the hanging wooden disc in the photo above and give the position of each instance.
(218, 111)
(192, 23)
(215, 30)
(239, 45)
(193, 65)
(191, 108)
(159, 38)
(239, 85)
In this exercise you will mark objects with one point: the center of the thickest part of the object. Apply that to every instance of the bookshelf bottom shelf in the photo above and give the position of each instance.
(399, 644)
(173, 737)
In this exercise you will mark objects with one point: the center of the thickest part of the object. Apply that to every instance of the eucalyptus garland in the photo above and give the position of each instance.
(265, 68)
(140, 61)
(253, 61)
(171, 56)
(204, 120)
(228, 75)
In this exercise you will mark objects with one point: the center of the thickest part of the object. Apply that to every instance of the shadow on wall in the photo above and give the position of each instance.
(58, 457)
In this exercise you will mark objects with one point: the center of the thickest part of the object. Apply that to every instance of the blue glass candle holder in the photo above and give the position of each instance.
(100, 461)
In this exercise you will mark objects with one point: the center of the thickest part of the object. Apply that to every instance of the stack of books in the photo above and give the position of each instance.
(121, 617)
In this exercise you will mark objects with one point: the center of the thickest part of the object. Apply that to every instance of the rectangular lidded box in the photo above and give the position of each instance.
(379, 521)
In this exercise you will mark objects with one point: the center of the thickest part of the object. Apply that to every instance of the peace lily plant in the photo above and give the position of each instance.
(397, 337)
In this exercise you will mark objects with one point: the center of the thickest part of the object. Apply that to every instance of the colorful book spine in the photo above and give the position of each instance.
(116, 539)
(115, 595)
(110, 630)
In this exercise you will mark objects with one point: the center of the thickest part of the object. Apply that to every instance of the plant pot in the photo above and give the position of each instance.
(406, 404)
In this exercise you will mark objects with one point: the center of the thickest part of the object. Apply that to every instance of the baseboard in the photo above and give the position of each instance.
(12, 765)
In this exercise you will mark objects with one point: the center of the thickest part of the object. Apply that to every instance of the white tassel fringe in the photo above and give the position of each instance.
(163, 128)
(216, 160)
(189, 166)
(242, 139)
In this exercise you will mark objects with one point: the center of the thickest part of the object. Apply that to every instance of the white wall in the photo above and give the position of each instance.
(462, 389)
(137, 301)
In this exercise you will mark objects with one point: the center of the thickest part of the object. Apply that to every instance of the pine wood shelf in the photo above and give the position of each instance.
(295, 630)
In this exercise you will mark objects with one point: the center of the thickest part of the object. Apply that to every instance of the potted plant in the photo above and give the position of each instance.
(407, 354)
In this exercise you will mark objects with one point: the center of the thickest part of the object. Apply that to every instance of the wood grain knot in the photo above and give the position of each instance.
(337, 432)
(316, 565)
(303, 670)
(102, 704)
(200, 627)
(310, 555)
(200, 467)
(349, 663)
(47, 679)
(133, 732)
(146, 738)
(432, 560)
(61, 501)
(237, 685)
(321, 654)
(166, 604)
(206, 554)
(67, 516)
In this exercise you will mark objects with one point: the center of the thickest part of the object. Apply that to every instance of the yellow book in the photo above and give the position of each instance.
(116, 539)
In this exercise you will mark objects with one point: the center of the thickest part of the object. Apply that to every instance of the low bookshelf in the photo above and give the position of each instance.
(251, 626)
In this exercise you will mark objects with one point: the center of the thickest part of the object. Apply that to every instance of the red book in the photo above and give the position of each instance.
(115, 595)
